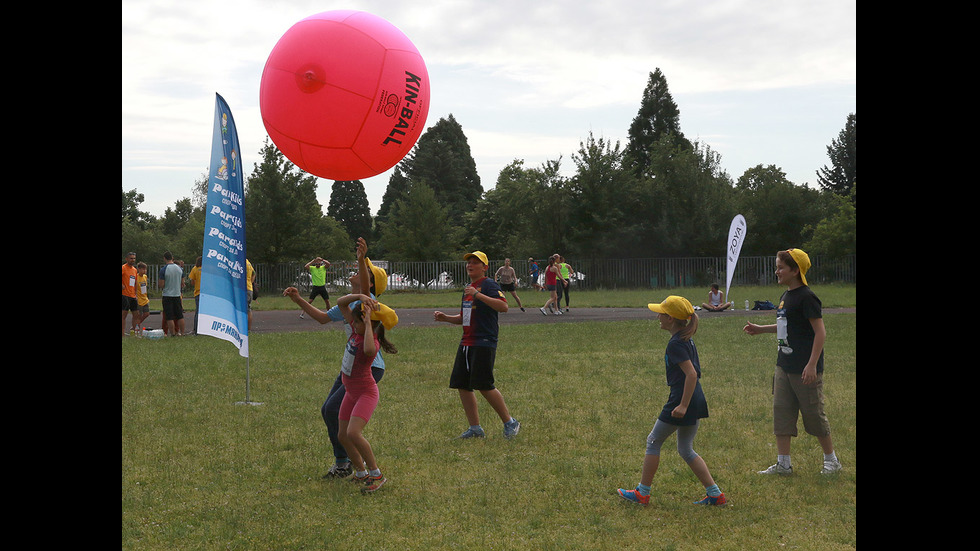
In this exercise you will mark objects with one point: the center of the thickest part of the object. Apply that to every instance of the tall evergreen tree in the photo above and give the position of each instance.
(842, 174)
(349, 206)
(658, 117)
(442, 160)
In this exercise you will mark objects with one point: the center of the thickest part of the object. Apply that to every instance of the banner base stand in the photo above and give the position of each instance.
(249, 403)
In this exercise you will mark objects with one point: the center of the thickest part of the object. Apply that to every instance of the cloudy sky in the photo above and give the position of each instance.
(766, 82)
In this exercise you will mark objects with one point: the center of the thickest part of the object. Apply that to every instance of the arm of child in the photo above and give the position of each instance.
(498, 304)
(363, 273)
(753, 329)
(345, 301)
(369, 347)
(313, 311)
(455, 320)
(819, 338)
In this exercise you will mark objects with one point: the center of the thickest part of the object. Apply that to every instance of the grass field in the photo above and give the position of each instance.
(201, 471)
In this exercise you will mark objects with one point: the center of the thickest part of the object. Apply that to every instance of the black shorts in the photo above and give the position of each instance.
(129, 303)
(473, 368)
(507, 287)
(173, 309)
(319, 291)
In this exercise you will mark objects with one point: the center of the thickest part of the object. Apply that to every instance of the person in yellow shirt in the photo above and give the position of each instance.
(249, 282)
(142, 299)
(195, 277)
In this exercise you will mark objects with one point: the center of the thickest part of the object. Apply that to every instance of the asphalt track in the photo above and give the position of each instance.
(284, 321)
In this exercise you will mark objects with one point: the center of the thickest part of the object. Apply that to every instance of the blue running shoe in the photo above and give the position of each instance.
(634, 496)
(473, 433)
(512, 428)
(708, 500)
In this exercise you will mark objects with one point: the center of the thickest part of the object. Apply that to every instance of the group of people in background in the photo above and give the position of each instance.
(557, 282)
(171, 283)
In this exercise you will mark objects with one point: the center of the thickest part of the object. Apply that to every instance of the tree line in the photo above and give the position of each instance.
(660, 195)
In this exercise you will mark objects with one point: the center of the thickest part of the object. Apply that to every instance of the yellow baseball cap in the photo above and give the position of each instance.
(380, 277)
(478, 254)
(802, 260)
(674, 306)
(387, 316)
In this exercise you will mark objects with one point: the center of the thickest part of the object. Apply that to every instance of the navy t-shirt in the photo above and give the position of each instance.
(679, 351)
(480, 320)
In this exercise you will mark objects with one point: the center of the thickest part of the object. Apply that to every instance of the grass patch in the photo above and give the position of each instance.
(202, 472)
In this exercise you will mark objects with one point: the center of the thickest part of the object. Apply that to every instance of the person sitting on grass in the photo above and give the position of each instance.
(716, 300)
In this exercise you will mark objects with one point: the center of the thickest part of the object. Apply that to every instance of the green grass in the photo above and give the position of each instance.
(200, 471)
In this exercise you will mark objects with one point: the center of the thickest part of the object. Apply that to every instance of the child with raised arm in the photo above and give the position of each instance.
(368, 319)
(798, 379)
(473, 368)
(370, 280)
(685, 406)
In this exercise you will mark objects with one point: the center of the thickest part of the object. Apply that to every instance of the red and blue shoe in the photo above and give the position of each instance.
(634, 496)
(708, 500)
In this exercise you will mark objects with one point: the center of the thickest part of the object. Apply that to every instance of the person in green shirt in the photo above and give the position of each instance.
(318, 280)
(565, 285)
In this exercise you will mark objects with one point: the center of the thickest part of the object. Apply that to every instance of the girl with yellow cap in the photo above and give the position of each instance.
(685, 406)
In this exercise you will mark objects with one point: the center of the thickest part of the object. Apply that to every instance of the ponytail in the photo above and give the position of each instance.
(687, 327)
(386, 345)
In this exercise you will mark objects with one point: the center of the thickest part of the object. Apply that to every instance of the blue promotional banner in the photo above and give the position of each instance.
(224, 299)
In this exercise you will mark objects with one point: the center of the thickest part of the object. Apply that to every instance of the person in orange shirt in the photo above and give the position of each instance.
(129, 304)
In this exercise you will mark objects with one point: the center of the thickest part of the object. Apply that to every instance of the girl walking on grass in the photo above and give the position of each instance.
(685, 406)
(368, 319)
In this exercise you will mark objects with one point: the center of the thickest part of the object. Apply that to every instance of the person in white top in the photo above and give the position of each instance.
(716, 300)
(507, 278)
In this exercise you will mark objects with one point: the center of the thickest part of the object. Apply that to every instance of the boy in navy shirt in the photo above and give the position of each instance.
(473, 368)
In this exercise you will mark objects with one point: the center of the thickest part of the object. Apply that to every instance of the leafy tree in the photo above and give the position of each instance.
(776, 211)
(602, 199)
(282, 212)
(131, 201)
(175, 218)
(349, 206)
(842, 174)
(505, 221)
(836, 235)
(658, 118)
(418, 228)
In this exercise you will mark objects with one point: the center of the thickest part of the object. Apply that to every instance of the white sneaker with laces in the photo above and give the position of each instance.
(830, 467)
(777, 469)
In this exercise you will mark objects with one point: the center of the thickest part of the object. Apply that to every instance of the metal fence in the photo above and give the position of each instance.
(638, 273)
(588, 274)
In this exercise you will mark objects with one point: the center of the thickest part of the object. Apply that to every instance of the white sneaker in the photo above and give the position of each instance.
(542, 311)
(830, 467)
(777, 469)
